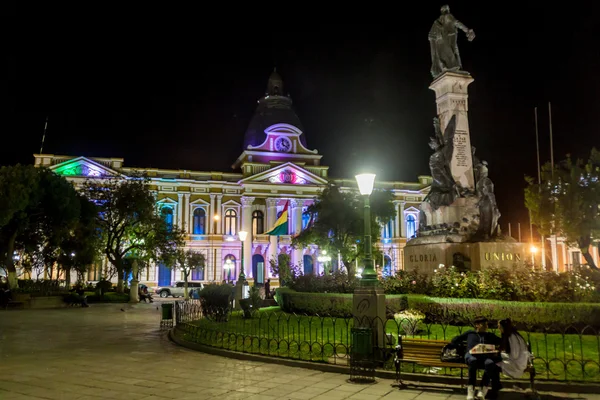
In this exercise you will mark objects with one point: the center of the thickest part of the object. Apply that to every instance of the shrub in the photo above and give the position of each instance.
(332, 304)
(449, 282)
(216, 300)
(110, 297)
(406, 282)
(529, 316)
(409, 321)
(338, 282)
(103, 286)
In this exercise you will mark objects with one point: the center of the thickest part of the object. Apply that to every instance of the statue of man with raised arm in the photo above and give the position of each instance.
(442, 40)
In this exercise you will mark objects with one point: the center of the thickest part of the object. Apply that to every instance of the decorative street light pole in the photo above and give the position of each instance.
(365, 186)
(242, 235)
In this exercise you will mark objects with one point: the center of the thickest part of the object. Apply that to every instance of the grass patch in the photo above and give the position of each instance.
(328, 339)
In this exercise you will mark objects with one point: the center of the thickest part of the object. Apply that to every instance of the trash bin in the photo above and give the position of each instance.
(167, 311)
(362, 342)
(362, 360)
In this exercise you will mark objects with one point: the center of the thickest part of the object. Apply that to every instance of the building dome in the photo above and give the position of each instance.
(273, 108)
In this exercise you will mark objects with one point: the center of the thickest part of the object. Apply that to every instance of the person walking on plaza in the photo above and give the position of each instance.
(477, 357)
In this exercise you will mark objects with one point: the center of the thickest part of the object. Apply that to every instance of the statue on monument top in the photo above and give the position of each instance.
(442, 40)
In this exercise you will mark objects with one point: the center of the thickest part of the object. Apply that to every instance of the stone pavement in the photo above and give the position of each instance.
(104, 353)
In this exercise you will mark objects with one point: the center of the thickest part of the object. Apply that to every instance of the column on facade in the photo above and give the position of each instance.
(180, 210)
(247, 226)
(402, 220)
(218, 211)
(271, 218)
(397, 219)
(566, 260)
(211, 216)
(186, 207)
(554, 253)
(296, 224)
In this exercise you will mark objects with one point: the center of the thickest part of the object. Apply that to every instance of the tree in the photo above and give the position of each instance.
(83, 245)
(38, 209)
(129, 222)
(339, 223)
(188, 261)
(567, 202)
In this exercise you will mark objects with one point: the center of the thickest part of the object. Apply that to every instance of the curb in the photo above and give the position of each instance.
(409, 379)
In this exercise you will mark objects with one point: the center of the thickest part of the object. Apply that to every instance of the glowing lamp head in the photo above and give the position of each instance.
(533, 249)
(216, 217)
(243, 235)
(365, 183)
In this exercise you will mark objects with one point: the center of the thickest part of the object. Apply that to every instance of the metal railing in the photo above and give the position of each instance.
(564, 353)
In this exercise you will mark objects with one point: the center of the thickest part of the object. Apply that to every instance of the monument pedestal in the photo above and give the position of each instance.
(428, 253)
(451, 98)
(368, 310)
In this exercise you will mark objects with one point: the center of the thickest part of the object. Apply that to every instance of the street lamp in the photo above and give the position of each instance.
(365, 186)
(242, 235)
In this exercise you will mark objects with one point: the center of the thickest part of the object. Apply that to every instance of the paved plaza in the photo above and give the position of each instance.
(103, 352)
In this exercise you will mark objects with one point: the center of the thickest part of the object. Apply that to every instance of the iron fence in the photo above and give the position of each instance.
(561, 352)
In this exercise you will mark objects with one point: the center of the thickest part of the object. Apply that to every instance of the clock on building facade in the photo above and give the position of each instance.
(283, 145)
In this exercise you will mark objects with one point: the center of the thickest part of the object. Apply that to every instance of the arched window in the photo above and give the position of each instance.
(258, 226)
(305, 218)
(411, 226)
(388, 230)
(230, 222)
(387, 266)
(229, 267)
(167, 214)
(199, 221)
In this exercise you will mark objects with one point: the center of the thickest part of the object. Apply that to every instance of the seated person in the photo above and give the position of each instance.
(485, 361)
(144, 295)
(514, 352)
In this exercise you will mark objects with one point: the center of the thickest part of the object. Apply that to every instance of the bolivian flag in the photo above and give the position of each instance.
(281, 225)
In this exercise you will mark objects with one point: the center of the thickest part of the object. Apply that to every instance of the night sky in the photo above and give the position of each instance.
(177, 88)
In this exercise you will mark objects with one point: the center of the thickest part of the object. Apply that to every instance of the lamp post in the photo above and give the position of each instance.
(365, 186)
(242, 235)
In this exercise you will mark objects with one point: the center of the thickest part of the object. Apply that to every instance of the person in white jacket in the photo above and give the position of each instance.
(514, 353)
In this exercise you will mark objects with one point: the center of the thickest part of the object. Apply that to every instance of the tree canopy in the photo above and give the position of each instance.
(38, 211)
(338, 225)
(567, 202)
(131, 225)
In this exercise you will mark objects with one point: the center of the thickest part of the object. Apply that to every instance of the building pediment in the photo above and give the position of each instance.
(84, 168)
(285, 174)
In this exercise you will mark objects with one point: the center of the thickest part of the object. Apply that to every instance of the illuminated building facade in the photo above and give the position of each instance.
(275, 166)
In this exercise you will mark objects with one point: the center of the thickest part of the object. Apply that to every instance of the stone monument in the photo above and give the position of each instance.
(458, 222)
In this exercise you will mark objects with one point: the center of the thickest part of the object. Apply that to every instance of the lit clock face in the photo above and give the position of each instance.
(283, 144)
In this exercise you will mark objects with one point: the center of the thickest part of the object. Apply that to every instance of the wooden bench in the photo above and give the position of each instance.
(426, 352)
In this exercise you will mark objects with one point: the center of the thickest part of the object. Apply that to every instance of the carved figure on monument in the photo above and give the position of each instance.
(488, 208)
(442, 41)
(443, 188)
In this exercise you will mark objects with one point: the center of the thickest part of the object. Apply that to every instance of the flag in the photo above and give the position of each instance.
(281, 225)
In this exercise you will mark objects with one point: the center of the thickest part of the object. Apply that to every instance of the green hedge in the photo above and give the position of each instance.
(530, 315)
(109, 297)
(332, 304)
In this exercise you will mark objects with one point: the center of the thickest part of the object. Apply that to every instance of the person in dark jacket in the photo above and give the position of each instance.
(486, 361)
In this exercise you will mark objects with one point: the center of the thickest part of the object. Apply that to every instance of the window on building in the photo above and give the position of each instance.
(229, 267)
(199, 221)
(230, 222)
(411, 226)
(388, 232)
(167, 214)
(305, 218)
(198, 274)
(258, 226)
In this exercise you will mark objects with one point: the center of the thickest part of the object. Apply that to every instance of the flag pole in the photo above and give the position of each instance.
(44, 135)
